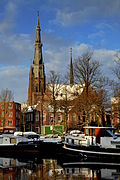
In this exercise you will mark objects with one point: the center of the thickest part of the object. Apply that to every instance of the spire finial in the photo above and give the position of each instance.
(71, 52)
(38, 13)
(38, 18)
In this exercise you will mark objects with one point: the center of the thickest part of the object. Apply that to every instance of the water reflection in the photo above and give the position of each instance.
(24, 169)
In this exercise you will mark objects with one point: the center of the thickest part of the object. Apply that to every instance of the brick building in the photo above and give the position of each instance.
(10, 117)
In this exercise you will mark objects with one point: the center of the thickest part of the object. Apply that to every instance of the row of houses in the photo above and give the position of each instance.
(17, 117)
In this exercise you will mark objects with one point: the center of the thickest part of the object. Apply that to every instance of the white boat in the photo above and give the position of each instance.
(19, 144)
(94, 142)
(29, 144)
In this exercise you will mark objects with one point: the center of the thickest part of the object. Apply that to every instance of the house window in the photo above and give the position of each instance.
(10, 114)
(2, 114)
(2, 106)
(9, 122)
(37, 117)
(44, 117)
(18, 107)
(59, 117)
(31, 117)
(73, 117)
(36, 88)
(51, 118)
(2, 122)
(10, 106)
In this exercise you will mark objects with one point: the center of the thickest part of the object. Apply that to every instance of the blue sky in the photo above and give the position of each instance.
(80, 24)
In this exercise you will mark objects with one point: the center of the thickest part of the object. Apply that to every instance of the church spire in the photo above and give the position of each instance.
(38, 38)
(38, 24)
(71, 69)
(38, 45)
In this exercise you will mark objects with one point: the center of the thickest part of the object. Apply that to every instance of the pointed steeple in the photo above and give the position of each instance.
(38, 38)
(37, 80)
(38, 45)
(71, 69)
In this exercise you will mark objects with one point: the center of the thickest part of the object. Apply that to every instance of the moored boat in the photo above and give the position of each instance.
(27, 144)
(95, 142)
(19, 144)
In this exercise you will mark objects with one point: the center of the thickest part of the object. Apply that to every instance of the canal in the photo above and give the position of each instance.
(53, 169)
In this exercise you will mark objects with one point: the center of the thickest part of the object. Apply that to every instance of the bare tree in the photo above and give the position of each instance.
(116, 84)
(65, 104)
(87, 74)
(116, 69)
(87, 71)
(6, 95)
(54, 83)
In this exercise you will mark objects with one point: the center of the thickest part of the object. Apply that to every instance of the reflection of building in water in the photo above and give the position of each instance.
(48, 169)
(81, 172)
(84, 173)
(52, 169)
(107, 173)
(10, 168)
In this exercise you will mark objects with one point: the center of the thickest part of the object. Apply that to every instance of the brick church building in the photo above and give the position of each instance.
(38, 93)
(37, 73)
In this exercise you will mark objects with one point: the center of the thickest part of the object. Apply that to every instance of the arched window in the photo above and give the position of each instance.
(36, 88)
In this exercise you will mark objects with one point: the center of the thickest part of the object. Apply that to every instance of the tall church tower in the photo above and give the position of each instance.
(71, 69)
(37, 73)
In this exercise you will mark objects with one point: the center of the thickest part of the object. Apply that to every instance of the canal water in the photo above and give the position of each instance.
(53, 169)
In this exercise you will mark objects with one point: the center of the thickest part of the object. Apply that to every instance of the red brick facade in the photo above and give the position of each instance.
(10, 116)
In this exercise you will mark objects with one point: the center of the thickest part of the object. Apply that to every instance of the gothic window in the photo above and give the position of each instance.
(73, 118)
(39, 87)
(36, 88)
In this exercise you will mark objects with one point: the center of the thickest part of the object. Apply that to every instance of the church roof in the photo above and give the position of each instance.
(63, 90)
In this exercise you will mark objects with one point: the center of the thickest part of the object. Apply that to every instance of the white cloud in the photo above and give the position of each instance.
(71, 17)
(15, 49)
(8, 21)
(59, 59)
(99, 34)
(56, 60)
(15, 79)
(74, 12)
